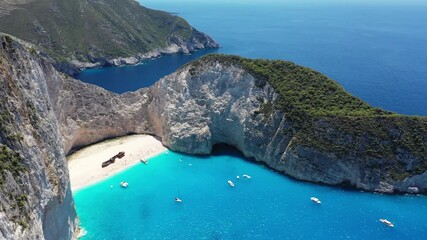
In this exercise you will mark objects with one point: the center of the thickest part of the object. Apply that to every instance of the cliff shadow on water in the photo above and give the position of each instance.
(223, 149)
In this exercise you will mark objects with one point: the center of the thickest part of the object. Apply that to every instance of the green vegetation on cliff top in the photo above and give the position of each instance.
(330, 119)
(302, 89)
(99, 28)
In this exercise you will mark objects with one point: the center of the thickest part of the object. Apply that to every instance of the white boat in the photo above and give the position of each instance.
(178, 200)
(316, 200)
(230, 183)
(238, 177)
(124, 184)
(247, 176)
(386, 222)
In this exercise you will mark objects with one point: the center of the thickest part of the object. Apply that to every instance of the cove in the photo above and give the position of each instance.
(268, 206)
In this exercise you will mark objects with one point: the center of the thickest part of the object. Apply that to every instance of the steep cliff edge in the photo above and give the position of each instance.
(89, 33)
(35, 193)
(295, 120)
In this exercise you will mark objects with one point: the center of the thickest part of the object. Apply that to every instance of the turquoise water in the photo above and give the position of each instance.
(268, 206)
(377, 52)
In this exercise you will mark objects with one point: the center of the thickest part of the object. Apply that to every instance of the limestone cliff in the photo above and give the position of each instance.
(291, 118)
(35, 194)
(218, 100)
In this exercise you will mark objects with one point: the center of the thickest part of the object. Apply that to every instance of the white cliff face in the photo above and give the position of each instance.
(212, 102)
(218, 104)
(200, 105)
(88, 114)
(35, 202)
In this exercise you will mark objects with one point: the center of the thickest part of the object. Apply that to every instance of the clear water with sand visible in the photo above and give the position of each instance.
(267, 206)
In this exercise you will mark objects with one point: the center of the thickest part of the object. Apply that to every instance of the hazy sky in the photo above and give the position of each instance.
(386, 2)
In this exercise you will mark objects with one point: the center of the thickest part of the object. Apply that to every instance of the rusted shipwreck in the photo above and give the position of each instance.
(113, 159)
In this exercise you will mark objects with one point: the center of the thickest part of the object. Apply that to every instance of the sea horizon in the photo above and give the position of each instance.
(376, 53)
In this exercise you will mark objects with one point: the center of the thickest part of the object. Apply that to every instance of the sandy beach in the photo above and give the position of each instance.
(85, 164)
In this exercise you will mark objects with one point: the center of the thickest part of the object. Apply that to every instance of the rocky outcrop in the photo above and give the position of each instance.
(82, 34)
(35, 194)
(197, 41)
(220, 103)
(210, 102)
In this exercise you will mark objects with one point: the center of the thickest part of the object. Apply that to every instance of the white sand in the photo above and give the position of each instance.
(85, 165)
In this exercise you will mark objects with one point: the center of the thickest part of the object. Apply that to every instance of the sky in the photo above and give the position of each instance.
(376, 2)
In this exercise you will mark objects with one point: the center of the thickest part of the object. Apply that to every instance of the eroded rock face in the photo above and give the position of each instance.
(35, 193)
(211, 102)
(45, 114)
(220, 103)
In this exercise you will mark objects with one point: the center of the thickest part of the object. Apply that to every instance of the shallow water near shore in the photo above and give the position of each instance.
(268, 206)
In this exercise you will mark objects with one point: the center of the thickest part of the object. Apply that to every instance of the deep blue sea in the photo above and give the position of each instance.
(378, 53)
(268, 206)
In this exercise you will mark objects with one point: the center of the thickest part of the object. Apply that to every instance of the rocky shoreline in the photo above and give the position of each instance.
(198, 41)
(82, 35)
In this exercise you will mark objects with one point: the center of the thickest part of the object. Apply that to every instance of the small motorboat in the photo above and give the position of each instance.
(316, 200)
(230, 183)
(386, 222)
(238, 177)
(247, 176)
(124, 184)
(177, 200)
